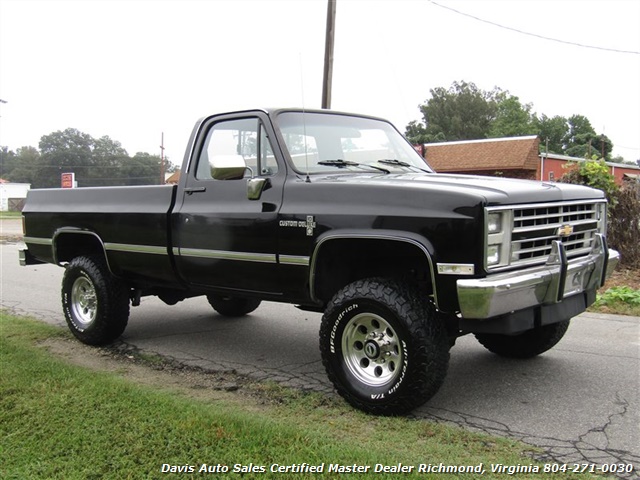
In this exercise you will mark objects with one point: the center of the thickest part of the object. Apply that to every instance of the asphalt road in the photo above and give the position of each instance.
(580, 402)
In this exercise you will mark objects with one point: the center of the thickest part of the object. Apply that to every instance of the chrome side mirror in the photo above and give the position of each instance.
(227, 167)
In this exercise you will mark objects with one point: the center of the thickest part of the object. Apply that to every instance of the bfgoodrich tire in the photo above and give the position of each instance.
(383, 347)
(525, 345)
(95, 304)
(233, 306)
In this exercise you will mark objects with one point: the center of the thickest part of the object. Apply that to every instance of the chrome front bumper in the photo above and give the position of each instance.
(547, 284)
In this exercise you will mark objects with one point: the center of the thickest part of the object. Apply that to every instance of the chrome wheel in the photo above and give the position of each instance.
(94, 302)
(384, 348)
(371, 350)
(84, 304)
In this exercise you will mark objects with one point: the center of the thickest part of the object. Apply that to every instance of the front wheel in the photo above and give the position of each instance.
(527, 344)
(384, 348)
(95, 304)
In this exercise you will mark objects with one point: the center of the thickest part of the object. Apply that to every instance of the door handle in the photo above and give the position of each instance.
(192, 190)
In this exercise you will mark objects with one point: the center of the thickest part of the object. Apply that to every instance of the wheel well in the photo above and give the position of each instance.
(71, 245)
(343, 261)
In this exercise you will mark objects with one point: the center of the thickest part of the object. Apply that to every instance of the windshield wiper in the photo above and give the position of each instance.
(340, 163)
(398, 163)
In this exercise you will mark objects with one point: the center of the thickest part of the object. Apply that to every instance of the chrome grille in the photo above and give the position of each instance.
(535, 227)
(524, 234)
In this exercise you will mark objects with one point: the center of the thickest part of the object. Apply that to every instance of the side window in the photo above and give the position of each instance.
(228, 140)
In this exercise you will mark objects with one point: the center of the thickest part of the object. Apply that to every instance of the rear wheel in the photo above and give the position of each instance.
(384, 348)
(527, 344)
(233, 306)
(95, 304)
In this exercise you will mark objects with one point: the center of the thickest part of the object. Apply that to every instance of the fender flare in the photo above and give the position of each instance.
(76, 231)
(414, 239)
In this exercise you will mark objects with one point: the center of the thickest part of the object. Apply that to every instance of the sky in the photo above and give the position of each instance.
(140, 70)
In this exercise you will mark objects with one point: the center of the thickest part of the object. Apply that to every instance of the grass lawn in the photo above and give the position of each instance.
(10, 214)
(63, 421)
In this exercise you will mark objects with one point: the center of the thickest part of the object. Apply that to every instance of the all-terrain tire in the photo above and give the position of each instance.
(94, 302)
(233, 306)
(525, 345)
(383, 346)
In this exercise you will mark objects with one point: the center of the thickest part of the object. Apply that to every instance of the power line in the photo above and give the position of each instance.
(632, 52)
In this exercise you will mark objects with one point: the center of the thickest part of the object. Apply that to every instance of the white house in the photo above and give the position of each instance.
(12, 195)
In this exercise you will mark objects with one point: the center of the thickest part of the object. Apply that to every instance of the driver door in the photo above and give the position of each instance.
(223, 239)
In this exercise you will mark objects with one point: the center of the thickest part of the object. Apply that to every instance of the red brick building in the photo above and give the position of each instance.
(553, 166)
(513, 157)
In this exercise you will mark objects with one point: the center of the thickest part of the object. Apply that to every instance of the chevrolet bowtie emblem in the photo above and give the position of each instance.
(564, 231)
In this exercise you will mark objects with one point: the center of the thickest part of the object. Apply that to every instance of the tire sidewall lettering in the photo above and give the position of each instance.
(67, 311)
(334, 329)
(74, 275)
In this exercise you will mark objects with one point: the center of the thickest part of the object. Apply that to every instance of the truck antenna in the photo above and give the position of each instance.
(304, 122)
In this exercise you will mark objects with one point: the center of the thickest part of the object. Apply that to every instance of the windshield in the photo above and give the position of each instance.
(326, 142)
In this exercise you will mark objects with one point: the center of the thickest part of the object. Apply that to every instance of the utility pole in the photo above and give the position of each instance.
(328, 54)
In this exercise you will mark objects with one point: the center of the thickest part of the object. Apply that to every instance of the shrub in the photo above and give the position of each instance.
(593, 173)
(620, 294)
(624, 225)
(624, 207)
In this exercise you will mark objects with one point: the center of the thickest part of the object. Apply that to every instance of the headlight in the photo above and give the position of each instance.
(499, 226)
(494, 223)
(493, 255)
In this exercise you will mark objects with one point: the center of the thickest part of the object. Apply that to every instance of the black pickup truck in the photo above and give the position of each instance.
(336, 213)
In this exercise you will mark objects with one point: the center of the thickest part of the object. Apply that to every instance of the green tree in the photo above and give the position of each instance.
(61, 152)
(106, 148)
(586, 145)
(582, 140)
(7, 161)
(461, 112)
(96, 162)
(417, 134)
(142, 169)
(552, 132)
(577, 125)
(512, 119)
(465, 112)
(25, 163)
(107, 157)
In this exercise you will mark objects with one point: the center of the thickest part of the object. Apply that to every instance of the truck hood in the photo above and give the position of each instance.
(488, 190)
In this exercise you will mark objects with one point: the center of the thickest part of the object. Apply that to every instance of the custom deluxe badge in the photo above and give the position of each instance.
(309, 224)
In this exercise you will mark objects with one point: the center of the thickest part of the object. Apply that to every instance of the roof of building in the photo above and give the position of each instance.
(555, 156)
(487, 154)
(173, 178)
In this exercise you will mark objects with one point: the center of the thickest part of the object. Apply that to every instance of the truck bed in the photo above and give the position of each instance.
(132, 223)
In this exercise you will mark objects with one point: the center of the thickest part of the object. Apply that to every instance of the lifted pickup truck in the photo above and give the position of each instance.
(337, 213)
